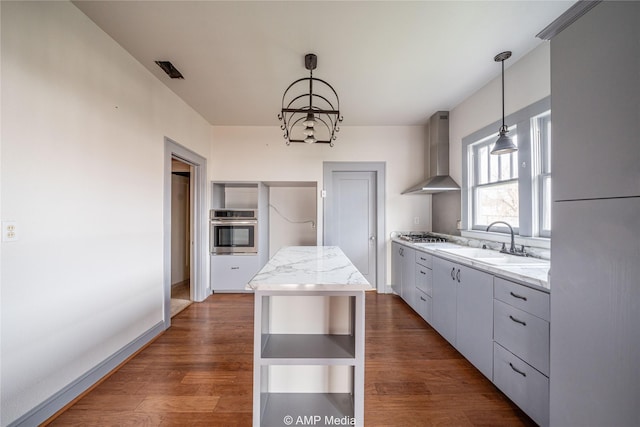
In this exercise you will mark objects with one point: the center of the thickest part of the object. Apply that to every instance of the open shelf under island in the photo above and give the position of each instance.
(308, 339)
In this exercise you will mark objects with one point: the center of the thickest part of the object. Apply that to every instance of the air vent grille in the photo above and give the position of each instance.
(170, 69)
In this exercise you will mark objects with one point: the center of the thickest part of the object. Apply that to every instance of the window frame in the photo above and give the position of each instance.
(529, 190)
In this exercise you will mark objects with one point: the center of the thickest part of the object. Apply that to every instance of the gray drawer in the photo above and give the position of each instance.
(523, 334)
(423, 305)
(424, 259)
(424, 279)
(522, 297)
(527, 387)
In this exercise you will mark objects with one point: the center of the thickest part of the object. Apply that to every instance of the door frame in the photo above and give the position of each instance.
(379, 169)
(198, 213)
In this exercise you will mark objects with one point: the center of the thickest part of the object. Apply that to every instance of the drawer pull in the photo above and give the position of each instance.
(422, 298)
(518, 320)
(518, 296)
(422, 272)
(235, 268)
(517, 370)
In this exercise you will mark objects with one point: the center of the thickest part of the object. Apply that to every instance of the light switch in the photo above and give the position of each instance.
(9, 231)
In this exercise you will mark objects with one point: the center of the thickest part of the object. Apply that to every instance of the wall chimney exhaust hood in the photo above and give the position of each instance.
(438, 149)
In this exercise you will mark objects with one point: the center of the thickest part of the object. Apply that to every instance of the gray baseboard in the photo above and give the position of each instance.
(59, 400)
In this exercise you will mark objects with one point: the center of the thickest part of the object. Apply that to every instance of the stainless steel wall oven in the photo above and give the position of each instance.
(233, 231)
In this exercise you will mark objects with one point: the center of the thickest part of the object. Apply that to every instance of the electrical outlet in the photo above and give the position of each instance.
(416, 220)
(9, 231)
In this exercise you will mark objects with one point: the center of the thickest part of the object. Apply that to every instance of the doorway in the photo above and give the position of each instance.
(181, 235)
(354, 215)
(188, 240)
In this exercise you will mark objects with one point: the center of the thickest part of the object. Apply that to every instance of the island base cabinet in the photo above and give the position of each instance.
(308, 358)
(522, 383)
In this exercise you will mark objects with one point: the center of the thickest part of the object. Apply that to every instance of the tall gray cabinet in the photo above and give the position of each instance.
(595, 252)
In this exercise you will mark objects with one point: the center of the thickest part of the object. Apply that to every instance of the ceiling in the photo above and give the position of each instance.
(391, 62)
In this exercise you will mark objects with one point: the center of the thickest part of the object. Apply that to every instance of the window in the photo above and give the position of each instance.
(541, 135)
(513, 187)
(494, 185)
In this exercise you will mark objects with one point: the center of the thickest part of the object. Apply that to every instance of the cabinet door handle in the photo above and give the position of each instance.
(453, 273)
(518, 296)
(517, 320)
(458, 275)
(517, 370)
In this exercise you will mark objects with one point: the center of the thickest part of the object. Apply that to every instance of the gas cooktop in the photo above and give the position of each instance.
(421, 237)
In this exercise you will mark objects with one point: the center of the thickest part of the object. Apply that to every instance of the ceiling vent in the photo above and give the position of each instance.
(170, 69)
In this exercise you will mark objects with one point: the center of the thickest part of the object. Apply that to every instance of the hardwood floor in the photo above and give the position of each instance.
(199, 373)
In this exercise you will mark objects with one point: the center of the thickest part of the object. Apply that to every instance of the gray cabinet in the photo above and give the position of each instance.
(409, 276)
(424, 285)
(595, 76)
(231, 273)
(521, 349)
(595, 343)
(403, 273)
(474, 318)
(522, 383)
(462, 306)
(396, 267)
(444, 296)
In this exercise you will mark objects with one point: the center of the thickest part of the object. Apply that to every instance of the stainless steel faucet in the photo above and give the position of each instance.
(512, 248)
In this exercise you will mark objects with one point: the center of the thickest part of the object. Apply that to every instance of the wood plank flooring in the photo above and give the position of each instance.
(199, 373)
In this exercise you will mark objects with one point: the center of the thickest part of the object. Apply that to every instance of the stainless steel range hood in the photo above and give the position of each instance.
(438, 150)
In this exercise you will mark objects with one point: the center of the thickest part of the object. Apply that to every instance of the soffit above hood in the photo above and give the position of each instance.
(438, 149)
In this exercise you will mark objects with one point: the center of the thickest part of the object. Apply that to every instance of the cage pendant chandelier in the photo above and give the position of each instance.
(307, 116)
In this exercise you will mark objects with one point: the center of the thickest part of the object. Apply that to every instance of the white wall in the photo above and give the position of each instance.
(291, 208)
(258, 153)
(82, 173)
(525, 81)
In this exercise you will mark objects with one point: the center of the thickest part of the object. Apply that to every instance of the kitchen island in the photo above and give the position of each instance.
(308, 339)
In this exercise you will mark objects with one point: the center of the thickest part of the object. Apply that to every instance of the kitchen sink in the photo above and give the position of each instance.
(473, 252)
(490, 257)
(512, 260)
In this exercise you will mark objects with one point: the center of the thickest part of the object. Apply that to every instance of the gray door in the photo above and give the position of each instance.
(351, 220)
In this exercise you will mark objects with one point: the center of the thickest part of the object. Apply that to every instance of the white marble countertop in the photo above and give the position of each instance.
(309, 268)
(534, 276)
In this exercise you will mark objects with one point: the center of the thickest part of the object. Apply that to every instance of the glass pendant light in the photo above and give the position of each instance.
(504, 144)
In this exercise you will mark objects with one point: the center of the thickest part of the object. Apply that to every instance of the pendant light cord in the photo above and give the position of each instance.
(502, 94)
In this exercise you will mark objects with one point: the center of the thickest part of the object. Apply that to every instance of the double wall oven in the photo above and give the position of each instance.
(233, 231)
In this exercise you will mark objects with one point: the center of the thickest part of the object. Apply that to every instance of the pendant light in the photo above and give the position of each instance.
(310, 109)
(504, 144)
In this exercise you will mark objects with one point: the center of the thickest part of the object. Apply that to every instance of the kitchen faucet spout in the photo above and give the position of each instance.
(512, 248)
